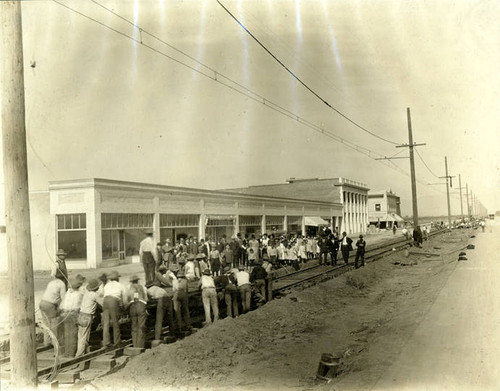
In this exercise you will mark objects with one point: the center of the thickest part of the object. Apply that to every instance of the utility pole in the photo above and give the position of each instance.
(17, 217)
(467, 196)
(449, 184)
(471, 204)
(412, 145)
(461, 202)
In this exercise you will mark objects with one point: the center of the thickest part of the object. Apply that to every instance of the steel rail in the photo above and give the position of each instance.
(374, 254)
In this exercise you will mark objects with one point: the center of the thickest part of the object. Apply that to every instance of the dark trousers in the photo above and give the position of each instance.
(231, 299)
(323, 254)
(333, 256)
(165, 305)
(182, 309)
(149, 264)
(137, 311)
(110, 316)
(345, 253)
(360, 256)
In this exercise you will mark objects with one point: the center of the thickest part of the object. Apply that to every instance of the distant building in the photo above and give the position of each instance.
(384, 209)
(351, 194)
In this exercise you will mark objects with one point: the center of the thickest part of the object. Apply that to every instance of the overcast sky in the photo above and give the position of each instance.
(101, 105)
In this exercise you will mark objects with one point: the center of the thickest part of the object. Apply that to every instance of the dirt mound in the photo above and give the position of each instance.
(280, 344)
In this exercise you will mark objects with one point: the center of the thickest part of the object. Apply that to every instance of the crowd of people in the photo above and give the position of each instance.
(230, 272)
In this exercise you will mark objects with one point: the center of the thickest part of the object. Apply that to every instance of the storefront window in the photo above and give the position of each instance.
(122, 233)
(72, 235)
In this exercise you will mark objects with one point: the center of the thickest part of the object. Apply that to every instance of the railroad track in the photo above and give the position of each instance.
(319, 272)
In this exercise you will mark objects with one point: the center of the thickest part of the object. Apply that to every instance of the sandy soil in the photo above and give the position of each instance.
(364, 316)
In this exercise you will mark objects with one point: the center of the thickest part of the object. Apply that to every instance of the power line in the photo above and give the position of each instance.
(217, 78)
(242, 90)
(304, 84)
(425, 164)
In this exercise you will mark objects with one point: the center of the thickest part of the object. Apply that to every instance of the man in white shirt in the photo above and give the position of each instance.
(86, 315)
(149, 256)
(114, 297)
(49, 306)
(209, 296)
(70, 307)
(243, 281)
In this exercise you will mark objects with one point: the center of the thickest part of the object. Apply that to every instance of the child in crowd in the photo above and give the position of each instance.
(215, 260)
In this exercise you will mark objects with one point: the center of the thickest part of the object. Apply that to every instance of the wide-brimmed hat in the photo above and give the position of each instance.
(77, 281)
(173, 267)
(200, 256)
(148, 232)
(61, 252)
(162, 268)
(181, 274)
(113, 275)
(93, 284)
(207, 272)
(134, 278)
(190, 257)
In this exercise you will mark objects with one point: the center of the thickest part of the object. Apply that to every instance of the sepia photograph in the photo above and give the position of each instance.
(250, 195)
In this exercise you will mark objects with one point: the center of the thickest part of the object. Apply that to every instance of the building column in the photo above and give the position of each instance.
(156, 219)
(285, 222)
(94, 233)
(263, 224)
(201, 223)
(303, 225)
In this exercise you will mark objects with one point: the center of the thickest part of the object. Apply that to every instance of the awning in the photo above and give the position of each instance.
(394, 217)
(315, 221)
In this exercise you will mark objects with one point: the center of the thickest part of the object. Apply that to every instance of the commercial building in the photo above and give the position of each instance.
(101, 222)
(384, 209)
(351, 194)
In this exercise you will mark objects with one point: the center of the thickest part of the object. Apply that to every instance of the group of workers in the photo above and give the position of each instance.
(226, 272)
(70, 305)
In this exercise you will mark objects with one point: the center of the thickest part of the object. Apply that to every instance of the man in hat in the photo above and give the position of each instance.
(162, 291)
(59, 269)
(244, 287)
(114, 298)
(190, 270)
(202, 263)
(258, 277)
(227, 283)
(149, 256)
(70, 307)
(49, 306)
(168, 252)
(209, 296)
(86, 316)
(360, 252)
(345, 247)
(137, 299)
(181, 301)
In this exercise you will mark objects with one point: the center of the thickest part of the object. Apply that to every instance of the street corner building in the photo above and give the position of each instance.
(100, 222)
(384, 209)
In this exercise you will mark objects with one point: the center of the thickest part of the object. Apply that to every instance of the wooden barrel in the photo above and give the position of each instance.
(328, 366)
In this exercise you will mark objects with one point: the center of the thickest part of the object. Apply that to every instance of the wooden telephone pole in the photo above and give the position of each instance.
(22, 307)
(411, 145)
(448, 184)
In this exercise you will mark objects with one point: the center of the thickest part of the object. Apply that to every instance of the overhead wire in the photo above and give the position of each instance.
(243, 90)
(303, 83)
(425, 164)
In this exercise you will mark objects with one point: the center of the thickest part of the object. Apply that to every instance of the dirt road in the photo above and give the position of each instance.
(368, 317)
(457, 345)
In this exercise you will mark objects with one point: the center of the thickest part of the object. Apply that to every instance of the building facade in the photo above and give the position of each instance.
(352, 195)
(384, 209)
(101, 222)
